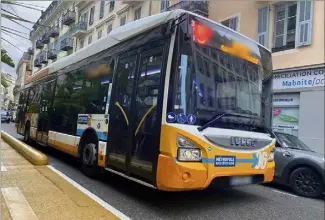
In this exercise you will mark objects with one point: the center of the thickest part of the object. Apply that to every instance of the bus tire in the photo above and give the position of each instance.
(27, 134)
(89, 163)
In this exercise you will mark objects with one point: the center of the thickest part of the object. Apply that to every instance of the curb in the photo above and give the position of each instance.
(32, 155)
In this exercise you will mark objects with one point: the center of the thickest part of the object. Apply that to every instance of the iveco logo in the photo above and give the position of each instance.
(243, 142)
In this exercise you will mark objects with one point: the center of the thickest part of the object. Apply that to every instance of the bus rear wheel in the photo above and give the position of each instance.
(26, 135)
(89, 160)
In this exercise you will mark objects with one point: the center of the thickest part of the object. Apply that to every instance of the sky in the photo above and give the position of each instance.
(23, 44)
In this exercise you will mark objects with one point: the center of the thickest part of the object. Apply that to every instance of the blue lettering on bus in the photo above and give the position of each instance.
(83, 119)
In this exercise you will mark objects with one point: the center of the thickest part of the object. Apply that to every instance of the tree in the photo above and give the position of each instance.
(5, 58)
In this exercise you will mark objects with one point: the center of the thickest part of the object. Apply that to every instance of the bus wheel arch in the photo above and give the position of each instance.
(88, 152)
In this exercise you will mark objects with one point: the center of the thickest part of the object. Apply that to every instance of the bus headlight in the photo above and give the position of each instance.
(187, 151)
(271, 156)
(189, 154)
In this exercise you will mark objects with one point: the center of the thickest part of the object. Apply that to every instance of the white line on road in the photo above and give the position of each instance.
(91, 195)
(3, 168)
(17, 204)
(288, 194)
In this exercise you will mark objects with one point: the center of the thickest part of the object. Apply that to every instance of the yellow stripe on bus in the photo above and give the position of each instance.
(120, 107)
(143, 118)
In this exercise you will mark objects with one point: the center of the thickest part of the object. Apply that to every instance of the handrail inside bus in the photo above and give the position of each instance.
(123, 112)
(144, 117)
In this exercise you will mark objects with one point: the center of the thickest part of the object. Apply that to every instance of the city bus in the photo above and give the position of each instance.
(173, 101)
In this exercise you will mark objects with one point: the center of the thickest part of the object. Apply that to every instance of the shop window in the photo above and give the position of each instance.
(286, 113)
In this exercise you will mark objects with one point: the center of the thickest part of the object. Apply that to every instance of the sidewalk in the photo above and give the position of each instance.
(36, 192)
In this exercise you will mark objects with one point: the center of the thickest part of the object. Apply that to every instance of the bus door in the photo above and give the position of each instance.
(145, 141)
(45, 111)
(134, 126)
(120, 110)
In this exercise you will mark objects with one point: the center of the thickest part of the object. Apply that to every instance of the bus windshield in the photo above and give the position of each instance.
(219, 72)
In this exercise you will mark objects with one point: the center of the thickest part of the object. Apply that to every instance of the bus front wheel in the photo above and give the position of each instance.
(89, 160)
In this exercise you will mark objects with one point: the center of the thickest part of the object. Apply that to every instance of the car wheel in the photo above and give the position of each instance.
(89, 160)
(306, 182)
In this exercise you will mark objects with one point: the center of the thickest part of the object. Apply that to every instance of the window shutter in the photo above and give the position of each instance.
(304, 24)
(233, 23)
(263, 25)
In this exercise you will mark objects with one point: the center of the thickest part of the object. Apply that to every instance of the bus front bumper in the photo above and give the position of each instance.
(173, 175)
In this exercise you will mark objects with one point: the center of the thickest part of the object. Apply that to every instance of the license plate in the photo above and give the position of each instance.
(242, 180)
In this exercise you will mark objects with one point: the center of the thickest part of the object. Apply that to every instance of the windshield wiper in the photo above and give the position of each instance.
(217, 116)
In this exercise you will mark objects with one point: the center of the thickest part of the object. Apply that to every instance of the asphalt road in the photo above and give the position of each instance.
(139, 202)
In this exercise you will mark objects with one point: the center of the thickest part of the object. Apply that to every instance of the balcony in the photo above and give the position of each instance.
(198, 7)
(43, 57)
(131, 2)
(52, 54)
(30, 51)
(80, 29)
(69, 17)
(39, 44)
(54, 32)
(66, 44)
(37, 63)
(45, 37)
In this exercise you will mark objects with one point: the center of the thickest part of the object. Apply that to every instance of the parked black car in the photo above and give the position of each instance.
(5, 117)
(298, 167)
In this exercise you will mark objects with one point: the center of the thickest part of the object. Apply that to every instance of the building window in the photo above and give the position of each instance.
(231, 23)
(99, 34)
(109, 28)
(91, 17)
(164, 5)
(285, 27)
(101, 10)
(137, 14)
(123, 20)
(90, 38)
(81, 43)
(111, 6)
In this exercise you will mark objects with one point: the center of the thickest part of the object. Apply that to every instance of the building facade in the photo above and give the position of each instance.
(294, 32)
(51, 36)
(67, 26)
(3, 97)
(8, 94)
(23, 71)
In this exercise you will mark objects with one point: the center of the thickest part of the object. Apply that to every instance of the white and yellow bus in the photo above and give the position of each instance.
(174, 101)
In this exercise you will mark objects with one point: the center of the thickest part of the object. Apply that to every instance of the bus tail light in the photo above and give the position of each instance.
(187, 151)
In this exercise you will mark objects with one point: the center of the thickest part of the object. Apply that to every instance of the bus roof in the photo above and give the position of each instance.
(123, 33)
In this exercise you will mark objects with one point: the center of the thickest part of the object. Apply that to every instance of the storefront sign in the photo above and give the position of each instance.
(299, 79)
(286, 99)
